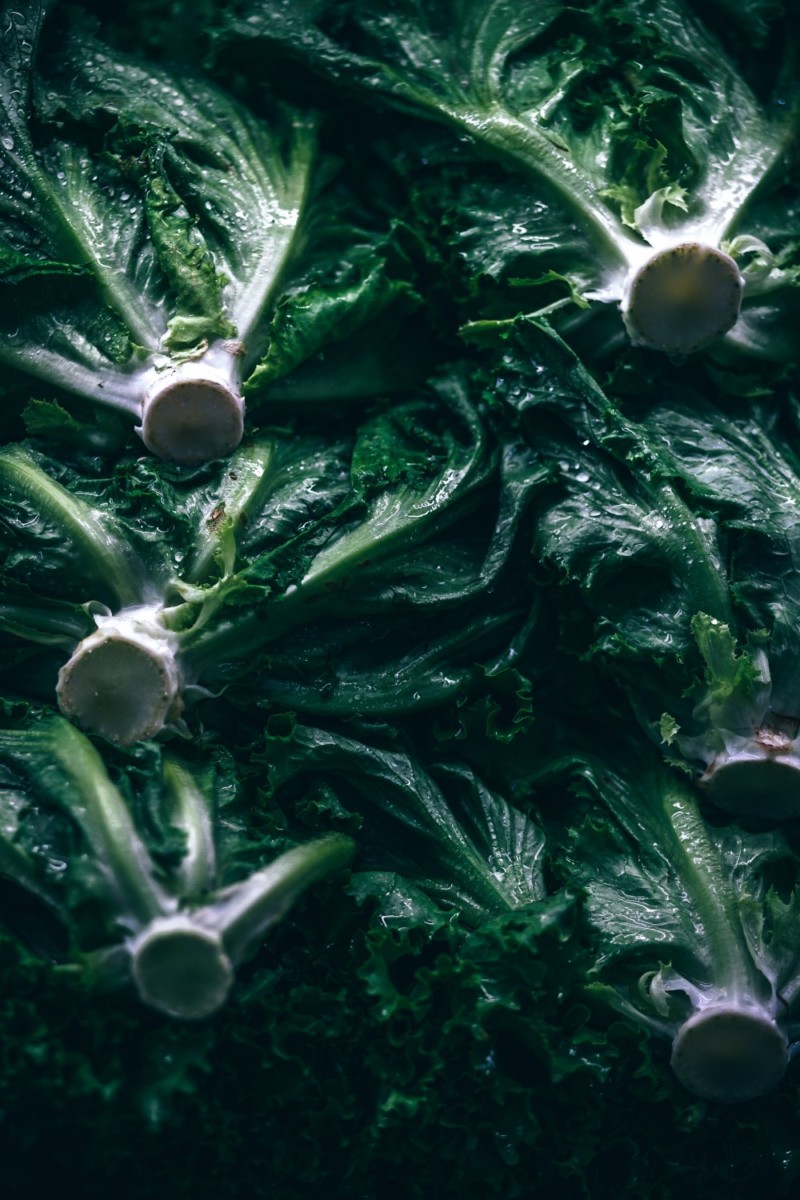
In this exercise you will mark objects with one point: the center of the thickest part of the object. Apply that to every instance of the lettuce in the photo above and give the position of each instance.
(491, 604)
(151, 224)
(339, 576)
(642, 160)
(173, 928)
(695, 940)
(676, 532)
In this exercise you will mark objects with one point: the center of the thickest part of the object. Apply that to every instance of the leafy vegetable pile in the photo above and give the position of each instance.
(400, 628)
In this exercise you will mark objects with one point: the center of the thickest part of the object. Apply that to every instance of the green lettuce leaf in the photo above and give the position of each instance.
(443, 830)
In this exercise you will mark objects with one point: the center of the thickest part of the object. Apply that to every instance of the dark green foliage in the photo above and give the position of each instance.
(478, 567)
(382, 1056)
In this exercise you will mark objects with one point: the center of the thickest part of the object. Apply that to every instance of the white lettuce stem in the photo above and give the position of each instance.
(756, 782)
(98, 382)
(241, 489)
(115, 843)
(181, 969)
(123, 681)
(193, 411)
(526, 148)
(241, 914)
(729, 1052)
(680, 299)
(188, 411)
(706, 882)
(183, 965)
(731, 1048)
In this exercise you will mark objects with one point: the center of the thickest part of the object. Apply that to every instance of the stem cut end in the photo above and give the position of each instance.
(756, 787)
(192, 416)
(682, 299)
(729, 1053)
(118, 688)
(181, 969)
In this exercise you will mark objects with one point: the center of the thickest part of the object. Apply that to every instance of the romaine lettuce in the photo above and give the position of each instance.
(150, 224)
(695, 939)
(641, 156)
(440, 831)
(676, 530)
(344, 576)
(174, 928)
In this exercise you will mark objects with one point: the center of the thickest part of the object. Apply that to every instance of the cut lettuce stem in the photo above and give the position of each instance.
(649, 199)
(172, 931)
(181, 969)
(682, 298)
(123, 681)
(202, 609)
(190, 410)
(194, 412)
(761, 779)
(729, 1053)
(126, 680)
(178, 225)
(730, 1049)
(750, 753)
(183, 965)
(695, 901)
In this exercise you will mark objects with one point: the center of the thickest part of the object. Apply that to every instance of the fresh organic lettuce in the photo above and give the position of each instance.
(696, 940)
(172, 924)
(675, 528)
(640, 155)
(616, 521)
(362, 575)
(512, 640)
(149, 226)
